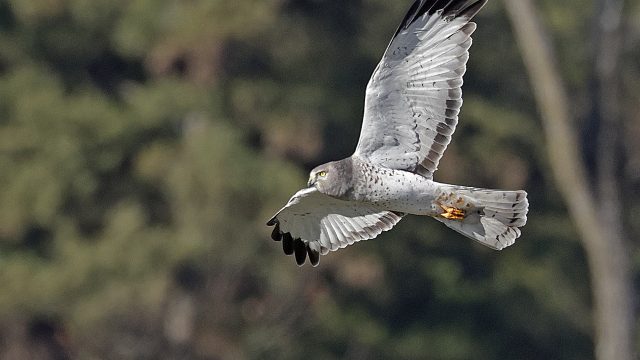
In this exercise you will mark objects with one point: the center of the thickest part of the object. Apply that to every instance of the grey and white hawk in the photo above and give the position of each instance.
(411, 110)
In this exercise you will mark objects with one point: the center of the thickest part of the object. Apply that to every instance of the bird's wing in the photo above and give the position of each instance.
(313, 223)
(414, 95)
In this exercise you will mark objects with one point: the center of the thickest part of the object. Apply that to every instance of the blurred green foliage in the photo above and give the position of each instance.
(143, 144)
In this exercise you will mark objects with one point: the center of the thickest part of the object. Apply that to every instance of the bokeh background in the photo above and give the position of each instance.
(144, 144)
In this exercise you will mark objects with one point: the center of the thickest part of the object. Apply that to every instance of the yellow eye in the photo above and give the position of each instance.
(322, 173)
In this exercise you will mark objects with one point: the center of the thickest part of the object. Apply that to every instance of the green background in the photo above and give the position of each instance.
(144, 144)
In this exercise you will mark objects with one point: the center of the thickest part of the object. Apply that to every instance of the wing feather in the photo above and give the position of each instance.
(326, 224)
(414, 96)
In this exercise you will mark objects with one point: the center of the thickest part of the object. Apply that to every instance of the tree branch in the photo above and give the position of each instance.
(600, 235)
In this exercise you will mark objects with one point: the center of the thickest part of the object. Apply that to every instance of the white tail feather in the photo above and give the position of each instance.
(492, 217)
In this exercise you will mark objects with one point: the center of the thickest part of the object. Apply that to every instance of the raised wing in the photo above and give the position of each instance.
(313, 223)
(414, 96)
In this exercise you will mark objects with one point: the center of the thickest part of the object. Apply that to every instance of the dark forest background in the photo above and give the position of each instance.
(144, 144)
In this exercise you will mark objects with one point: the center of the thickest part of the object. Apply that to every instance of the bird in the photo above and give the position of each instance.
(411, 109)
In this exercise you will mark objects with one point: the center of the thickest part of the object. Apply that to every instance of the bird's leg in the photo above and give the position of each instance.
(452, 213)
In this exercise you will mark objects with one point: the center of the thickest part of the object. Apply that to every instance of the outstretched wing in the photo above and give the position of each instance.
(313, 223)
(414, 96)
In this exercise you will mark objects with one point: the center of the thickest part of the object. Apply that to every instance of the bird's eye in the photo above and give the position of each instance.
(322, 173)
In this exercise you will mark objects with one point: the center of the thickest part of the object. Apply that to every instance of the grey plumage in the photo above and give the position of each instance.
(339, 178)
(496, 221)
(411, 111)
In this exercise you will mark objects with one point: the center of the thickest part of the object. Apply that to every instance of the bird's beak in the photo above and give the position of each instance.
(311, 182)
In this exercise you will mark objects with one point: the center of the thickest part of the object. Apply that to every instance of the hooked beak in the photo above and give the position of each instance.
(311, 182)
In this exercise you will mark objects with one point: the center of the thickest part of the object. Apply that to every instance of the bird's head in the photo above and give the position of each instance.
(333, 179)
(319, 177)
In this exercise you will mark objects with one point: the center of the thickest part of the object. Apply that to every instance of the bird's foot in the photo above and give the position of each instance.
(452, 213)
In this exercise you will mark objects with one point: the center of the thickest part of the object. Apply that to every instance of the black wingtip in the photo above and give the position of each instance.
(472, 9)
(287, 244)
(276, 235)
(314, 256)
(300, 251)
(450, 9)
(410, 17)
(272, 222)
(455, 8)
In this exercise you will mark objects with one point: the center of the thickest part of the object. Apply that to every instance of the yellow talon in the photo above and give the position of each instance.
(452, 213)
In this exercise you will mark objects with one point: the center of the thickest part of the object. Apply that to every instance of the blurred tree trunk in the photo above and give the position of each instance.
(595, 207)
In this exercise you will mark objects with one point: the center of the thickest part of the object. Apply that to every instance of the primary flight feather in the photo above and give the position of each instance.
(411, 111)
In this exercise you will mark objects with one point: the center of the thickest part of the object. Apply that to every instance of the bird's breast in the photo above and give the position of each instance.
(394, 190)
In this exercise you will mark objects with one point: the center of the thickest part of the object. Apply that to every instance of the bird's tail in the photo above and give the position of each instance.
(492, 217)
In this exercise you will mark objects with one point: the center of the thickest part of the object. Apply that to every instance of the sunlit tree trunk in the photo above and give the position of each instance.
(595, 206)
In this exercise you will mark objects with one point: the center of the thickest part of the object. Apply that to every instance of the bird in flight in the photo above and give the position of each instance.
(411, 111)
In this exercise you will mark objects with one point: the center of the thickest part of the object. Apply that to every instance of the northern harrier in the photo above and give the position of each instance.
(411, 110)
